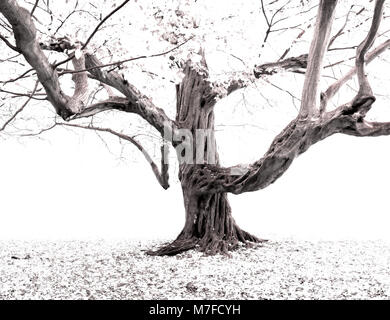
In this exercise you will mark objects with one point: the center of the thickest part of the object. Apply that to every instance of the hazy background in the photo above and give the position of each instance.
(69, 185)
(72, 187)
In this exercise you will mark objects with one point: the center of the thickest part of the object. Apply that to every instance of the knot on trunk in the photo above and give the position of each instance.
(359, 106)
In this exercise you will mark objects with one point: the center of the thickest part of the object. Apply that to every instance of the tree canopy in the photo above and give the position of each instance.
(172, 63)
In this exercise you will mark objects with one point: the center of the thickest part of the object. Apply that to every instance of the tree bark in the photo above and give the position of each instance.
(209, 225)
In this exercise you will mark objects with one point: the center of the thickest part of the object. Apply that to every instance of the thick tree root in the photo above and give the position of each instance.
(175, 247)
(209, 245)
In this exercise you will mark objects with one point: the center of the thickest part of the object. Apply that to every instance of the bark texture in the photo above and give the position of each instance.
(209, 225)
(319, 45)
(26, 41)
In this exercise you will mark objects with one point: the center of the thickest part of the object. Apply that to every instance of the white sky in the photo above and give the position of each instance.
(75, 189)
(69, 186)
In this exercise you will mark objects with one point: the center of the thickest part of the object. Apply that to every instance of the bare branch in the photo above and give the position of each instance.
(299, 135)
(365, 88)
(162, 177)
(264, 13)
(341, 30)
(93, 32)
(25, 36)
(294, 64)
(9, 44)
(20, 109)
(21, 94)
(369, 129)
(118, 63)
(35, 6)
(335, 87)
(136, 101)
(319, 45)
(40, 131)
(22, 76)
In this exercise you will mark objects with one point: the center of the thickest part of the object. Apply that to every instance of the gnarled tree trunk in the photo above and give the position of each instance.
(209, 225)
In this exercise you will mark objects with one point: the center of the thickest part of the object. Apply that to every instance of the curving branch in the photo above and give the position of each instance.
(209, 224)
(302, 132)
(365, 91)
(136, 101)
(365, 88)
(337, 85)
(27, 44)
(13, 117)
(26, 41)
(162, 177)
(341, 30)
(293, 64)
(73, 107)
(34, 7)
(296, 138)
(9, 44)
(368, 129)
(93, 32)
(61, 45)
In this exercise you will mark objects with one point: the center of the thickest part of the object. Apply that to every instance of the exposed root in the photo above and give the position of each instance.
(213, 245)
(173, 248)
(209, 244)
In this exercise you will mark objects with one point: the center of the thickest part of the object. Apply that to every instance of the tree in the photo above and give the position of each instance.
(209, 224)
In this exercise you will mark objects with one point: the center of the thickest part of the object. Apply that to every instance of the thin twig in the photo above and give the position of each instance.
(20, 109)
(92, 34)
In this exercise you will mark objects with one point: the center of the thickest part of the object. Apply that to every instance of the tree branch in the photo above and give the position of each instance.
(319, 45)
(93, 32)
(368, 129)
(9, 44)
(35, 6)
(301, 133)
(25, 38)
(341, 30)
(20, 109)
(116, 63)
(136, 101)
(68, 107)
(364, 86)
(294, 64)
(360, 61)
(336, 86)
(162, 177)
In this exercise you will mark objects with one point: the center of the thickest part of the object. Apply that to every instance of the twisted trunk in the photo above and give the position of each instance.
(209, 225)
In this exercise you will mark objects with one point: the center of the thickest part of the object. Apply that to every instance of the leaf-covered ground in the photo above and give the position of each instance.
(121, 270)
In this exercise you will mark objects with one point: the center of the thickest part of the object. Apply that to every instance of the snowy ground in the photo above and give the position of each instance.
(121, 270)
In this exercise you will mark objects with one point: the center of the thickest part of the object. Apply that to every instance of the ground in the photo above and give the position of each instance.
(120, 270)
